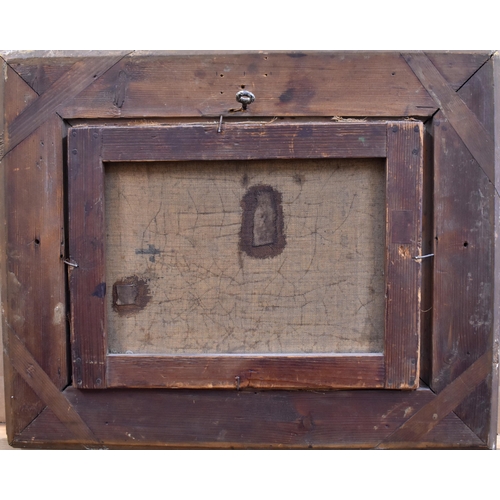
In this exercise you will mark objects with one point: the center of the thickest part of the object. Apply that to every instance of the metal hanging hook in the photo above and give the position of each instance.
(245, 98)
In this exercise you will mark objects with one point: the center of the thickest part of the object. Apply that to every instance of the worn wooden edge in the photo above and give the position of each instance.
(494, 422)
(246, 371)
(3, 211)
(26, 55)
(475, 136)
(87, 281)
(40, 69)
(71, 83)
(427, 264)
(403, 243)
(285, 84)
(244, 141)
(463, 254)
(22, 405)
(458, 66)
(445, 402)
(34, 375)
(2, 238)
(23, 55)
(154, 418)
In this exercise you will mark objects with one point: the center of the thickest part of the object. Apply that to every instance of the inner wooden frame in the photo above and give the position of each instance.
(401, 143)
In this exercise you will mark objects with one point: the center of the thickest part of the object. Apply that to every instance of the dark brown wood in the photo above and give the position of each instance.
(165, 87)
(87, 282)
(205, 84)
(39, 381)
(403, 244)
(462, 247)
(475, 136)
(33, 292)
(495, 375)
(404, 207)
(464, 253)
(427, 264)
(478, 96)
(240, 372)
(244, 142)
(457, 67)
(448, 399)
(40, 69)
(71, 83)
(245, 419)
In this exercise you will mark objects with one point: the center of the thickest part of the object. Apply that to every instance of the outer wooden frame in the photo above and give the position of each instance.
(401, 143)
(456, 95)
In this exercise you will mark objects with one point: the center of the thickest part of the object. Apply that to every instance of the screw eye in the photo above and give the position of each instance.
(245, 98)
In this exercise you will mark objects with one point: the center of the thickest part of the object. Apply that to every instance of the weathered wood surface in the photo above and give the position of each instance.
(464, 242)
(240, 372)
(175, 230)
(477, 410)
(130, 286)
(246, 419)
(33, 290)
(79, 77)
(427, 249)
(476, 137)
(345, 84)
(40, 68)
(87, 282)
(2, 237)
(37, 378)
(495, 396)
(446, 433)
(458, 67)
(446, 401)
(242, 141)
(403, 244)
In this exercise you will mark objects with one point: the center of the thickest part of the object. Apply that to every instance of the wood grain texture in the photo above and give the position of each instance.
(87, 282)
(71, 83)
(495, 396)
(446, 401)
(457, 67)
(39, 381)
(478, 95)
(463, 258)
(244, 419)
(240, 372)
(344, 84)
(403, 243)
(33, 291)
(464, 243)
(427, 264)
(241, 141)
(41, 68)
(404, 174)
(473, 133)
(344, 421)
(3, 68)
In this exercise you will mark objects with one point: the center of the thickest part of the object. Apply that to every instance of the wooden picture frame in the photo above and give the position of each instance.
(401, 143)
(449, 100)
